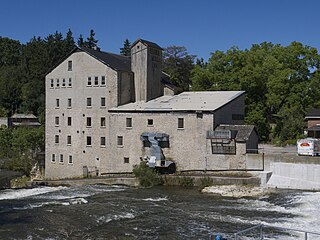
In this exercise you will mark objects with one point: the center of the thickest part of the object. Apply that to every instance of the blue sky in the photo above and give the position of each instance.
(201, 26)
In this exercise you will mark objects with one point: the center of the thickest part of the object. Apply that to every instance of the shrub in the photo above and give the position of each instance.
(148, 177)
(186, 181)
(205, 182)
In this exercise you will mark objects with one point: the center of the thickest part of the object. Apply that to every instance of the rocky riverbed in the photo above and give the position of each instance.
(237, 191)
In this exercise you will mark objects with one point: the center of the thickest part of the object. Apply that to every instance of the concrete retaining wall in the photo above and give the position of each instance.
(302, 176)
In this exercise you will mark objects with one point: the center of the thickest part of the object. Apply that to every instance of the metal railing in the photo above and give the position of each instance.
(261, 233)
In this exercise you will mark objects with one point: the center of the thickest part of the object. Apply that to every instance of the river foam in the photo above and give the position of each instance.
(29, 192)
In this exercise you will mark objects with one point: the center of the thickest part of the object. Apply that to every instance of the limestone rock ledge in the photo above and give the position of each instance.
(236, 191)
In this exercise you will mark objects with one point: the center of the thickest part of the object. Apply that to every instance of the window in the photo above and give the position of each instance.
(103, 141)
(51, 83)
(61, 158)
(56, 138)
(69, 121)
(103, 80)
(103, 102)
(89, 81)
(70, 159)
(68, 140)
(180, 123)
(69, 65)
(96, 81)
(69, 102)
(126, 160)
(88, 121)
(63, 82)
(103, 122)
(88, 140)
(70, 82)
(223, 146)
(120, 141)
(56, 121)
(58, 82)
(89, 102)
(57, 103)
(128, 122)
(53, 158)
(150, 122)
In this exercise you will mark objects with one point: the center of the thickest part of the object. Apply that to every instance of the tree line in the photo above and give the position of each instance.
(281, 82)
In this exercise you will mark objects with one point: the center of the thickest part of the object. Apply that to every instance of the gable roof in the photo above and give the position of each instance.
(147, 43)
(114, 61)
(183, 102)
(313, 113)
(243, 131)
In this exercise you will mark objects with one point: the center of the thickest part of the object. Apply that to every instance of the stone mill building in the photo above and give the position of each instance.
(106, 112)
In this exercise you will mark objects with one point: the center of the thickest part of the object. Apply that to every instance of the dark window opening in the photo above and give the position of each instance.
(103, 80)
(103, 102)
(120, 141)
(180, 123)
(69, 65)
(150, 122)
(56, 139)
(89, 102)
(128, 122)
(103, 122)
(88, 140)
(103, 141)
(223, 146)
(89, 122)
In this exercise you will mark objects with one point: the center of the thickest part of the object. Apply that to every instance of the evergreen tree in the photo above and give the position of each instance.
(126, 49)
(80, 41)
(69, 41)
(91, 41)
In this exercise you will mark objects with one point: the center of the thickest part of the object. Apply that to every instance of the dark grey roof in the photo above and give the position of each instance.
(114, 61)
(243, 131)
(314, 112)
(148, 43)
(166, 81)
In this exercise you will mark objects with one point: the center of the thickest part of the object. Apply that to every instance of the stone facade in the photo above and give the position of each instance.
(88, 133)
(72, 119)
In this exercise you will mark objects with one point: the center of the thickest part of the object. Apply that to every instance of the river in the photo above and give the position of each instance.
(118, 212)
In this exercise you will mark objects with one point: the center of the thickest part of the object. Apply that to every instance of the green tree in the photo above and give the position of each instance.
(178, 63)
(279, 82)
(80, 41)
(25, 143)
(91, 41)
(126, 49)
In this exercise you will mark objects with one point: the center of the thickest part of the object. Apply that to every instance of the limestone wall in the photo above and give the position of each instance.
(94, 156)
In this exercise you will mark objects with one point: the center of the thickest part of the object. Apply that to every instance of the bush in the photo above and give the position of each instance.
(205, 182)
(186, 181)
(148, 177)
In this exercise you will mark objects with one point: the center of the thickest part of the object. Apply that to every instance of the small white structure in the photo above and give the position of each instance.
(308, 147)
